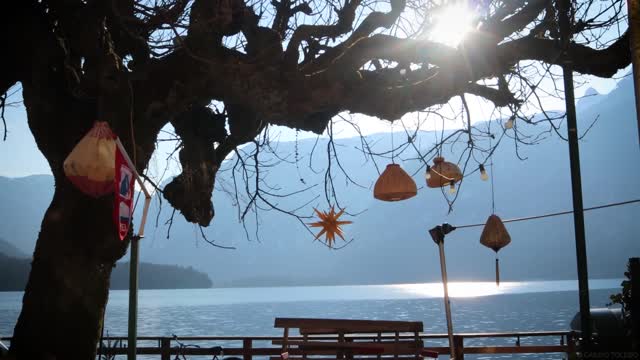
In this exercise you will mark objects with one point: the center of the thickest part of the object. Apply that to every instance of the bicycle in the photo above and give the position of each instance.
(216, 350)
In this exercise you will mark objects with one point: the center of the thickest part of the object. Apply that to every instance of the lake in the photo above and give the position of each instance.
(476, 307)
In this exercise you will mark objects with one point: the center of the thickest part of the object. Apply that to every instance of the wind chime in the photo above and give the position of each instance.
(494, 234)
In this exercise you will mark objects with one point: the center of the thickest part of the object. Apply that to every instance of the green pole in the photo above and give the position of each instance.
(565, 22)
(133, 299)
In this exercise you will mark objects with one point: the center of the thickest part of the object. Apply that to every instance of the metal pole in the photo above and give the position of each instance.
(134, 261)
(564, 7)
(437, 234)
(633, 7)
(133, 299)
(447, 303)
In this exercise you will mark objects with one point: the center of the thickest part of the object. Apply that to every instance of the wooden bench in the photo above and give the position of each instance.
(334, 339)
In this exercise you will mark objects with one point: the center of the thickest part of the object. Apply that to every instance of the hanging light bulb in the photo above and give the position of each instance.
(509, 123)
(427, 174)
(483, 173)
(452, 187)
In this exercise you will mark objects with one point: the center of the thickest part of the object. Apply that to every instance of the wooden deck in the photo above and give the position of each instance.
(248, 347)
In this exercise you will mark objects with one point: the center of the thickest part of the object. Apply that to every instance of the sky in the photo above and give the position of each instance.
(19, 155)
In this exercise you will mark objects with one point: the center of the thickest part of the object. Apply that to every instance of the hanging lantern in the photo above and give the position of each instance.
(495, 236)
(91, 164)
(394, 184)
(442, 173)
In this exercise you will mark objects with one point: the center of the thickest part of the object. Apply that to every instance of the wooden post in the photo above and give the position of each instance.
(285, 341)
(247, 345)
(397, 339)
(165, 348)
(634, 267)
(458, 345)
(571, 345)
(349, 355)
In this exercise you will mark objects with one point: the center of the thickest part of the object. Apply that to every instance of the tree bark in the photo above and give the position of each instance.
(65, 298)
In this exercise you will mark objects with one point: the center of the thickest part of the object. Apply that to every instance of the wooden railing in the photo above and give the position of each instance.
(260, 346)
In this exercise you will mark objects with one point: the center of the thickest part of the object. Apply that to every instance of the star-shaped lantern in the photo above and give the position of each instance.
(330, 225)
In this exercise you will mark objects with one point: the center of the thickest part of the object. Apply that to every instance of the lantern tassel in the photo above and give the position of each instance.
(497, 272)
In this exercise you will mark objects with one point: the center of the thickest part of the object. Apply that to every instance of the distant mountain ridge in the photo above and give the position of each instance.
(14, 273)
(9, 249)
(391, 243)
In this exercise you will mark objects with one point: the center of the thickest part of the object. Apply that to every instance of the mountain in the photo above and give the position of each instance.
(158, 276)
(390, 240)
(590, 98)
(14, 273)
(9, 249)
(22, 206)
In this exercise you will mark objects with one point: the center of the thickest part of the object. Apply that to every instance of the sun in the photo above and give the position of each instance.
(452, 23)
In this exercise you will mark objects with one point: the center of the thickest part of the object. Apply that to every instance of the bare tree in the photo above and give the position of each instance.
(140, 64)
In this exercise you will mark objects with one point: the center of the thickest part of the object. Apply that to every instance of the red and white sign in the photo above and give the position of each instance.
(123, 181)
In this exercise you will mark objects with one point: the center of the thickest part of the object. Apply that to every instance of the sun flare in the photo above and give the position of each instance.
(451, 24)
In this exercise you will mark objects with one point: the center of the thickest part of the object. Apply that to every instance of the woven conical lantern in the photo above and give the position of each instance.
(442, 173)
(495, 236)
(91, 164)
(394, 184)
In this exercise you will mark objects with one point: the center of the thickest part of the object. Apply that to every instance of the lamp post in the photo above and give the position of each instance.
(437, 234)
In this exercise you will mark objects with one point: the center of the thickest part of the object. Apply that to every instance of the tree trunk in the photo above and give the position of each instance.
(77, 247)
(65, 298)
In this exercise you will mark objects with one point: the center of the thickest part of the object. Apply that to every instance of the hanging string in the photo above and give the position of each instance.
(555, 214)
(493, 205)
(493, 175)
(393, 158)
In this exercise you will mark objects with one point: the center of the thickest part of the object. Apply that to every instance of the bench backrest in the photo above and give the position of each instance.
(347, 347)
(344, 326)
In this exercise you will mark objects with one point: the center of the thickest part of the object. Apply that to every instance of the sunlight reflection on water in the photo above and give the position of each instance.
(460, 289)
(476, 288)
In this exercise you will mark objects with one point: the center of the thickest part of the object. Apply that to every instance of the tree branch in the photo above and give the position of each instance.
(604, 63)
(372, 22)
(346, 17)
(516, 22)
(284, 12)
